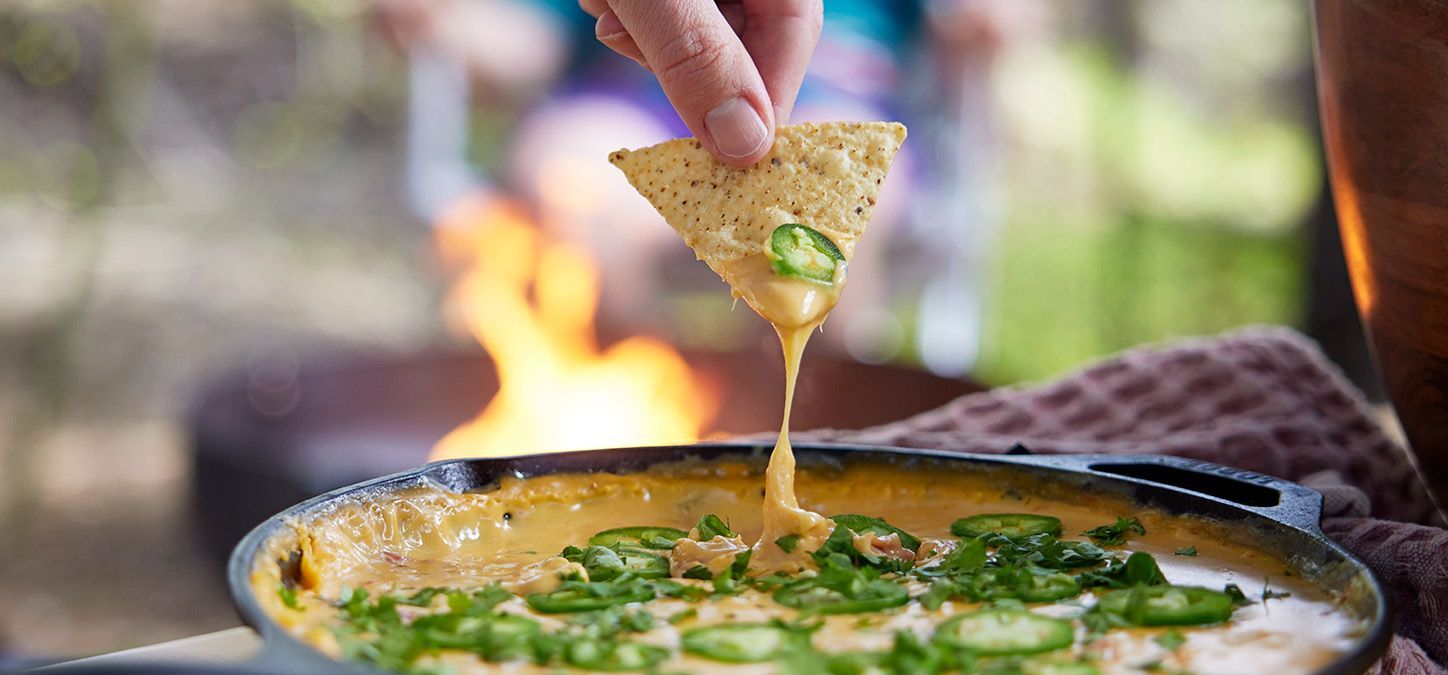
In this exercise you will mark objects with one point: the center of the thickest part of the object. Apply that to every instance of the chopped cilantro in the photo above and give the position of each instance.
(373, 631)
(1139, 569)
(1045, 550)
(937, 594)
(288, 596)
(601, 562)
(683, 615)
(725, 583)
(839, 550)
(1117, 533)
(1269, 594)
(867, 524)
(423, 597)
(612, 621)
(1235, 593)
(1098, 620)
(711, 526)
(1112, 575)
(769, 583)
(1142, 570)
(1170, 640)
(840, 587)
(596, 619)
(969, 555)
(668, 588)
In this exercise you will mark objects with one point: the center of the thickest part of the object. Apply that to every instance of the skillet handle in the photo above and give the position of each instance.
(1274, 498)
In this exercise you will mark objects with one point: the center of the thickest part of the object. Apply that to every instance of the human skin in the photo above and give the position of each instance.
(731, 68)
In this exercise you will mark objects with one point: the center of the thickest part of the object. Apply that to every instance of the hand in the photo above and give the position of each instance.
(731, 68)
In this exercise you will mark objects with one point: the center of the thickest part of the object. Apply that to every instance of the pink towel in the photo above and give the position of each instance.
(1263, 399)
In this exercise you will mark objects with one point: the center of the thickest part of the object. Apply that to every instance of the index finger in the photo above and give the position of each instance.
(781, 36)
(706, 72)
(595, 8)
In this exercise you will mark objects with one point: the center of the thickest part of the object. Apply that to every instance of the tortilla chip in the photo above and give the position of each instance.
(826, 176)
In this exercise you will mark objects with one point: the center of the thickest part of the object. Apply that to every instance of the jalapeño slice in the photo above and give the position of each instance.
(614, 656)
(1048, 588)
(739, 642)
(495, 638)
(508, 638)
(1006, 632)
(861, 524)
(1168, 605)
(642, 563)
(582, 596)
(1013, 525)
(799, 251)
(1058, 668)
(604, 563)
(872, 596)
(661, 538)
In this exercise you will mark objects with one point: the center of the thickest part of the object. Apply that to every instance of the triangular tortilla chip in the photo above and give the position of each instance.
(826, 176)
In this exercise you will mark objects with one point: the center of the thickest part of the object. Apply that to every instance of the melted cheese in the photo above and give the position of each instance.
(795, 307)
(781, 514)
(715, 555)
(427, 537)
(785, 302)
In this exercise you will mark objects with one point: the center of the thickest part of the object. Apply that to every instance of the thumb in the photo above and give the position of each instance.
(706, 73)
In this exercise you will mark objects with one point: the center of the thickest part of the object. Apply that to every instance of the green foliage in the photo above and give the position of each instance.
(1139, 569)
(1116, 533)
(1142, 208)
(839, 551)
(1044, 550)
(968, 556)
(609, 562)
(1004, 573)
(374, 632)
(711, 526)
(288, 596)
(863, 524)
(1234, 592)
(1170, 639)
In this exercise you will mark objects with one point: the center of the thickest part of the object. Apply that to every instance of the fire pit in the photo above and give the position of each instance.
(280, 432)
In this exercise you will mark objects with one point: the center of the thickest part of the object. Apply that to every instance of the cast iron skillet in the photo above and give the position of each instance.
(1275, 516)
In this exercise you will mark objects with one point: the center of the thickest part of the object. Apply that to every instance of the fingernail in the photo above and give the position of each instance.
(608, 26)
(737, 129)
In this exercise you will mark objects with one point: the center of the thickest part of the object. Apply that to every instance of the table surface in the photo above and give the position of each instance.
(224, 647)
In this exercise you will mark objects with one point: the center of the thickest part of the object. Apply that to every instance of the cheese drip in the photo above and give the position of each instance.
(782, 513)
(795, 307)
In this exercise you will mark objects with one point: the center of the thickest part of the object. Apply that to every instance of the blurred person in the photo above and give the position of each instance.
(727, 73)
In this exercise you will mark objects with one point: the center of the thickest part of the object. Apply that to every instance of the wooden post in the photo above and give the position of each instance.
(1383, 89)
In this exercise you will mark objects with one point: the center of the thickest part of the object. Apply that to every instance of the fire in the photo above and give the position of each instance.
(530, 302)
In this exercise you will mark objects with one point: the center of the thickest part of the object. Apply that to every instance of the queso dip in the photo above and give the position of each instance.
(370, 573)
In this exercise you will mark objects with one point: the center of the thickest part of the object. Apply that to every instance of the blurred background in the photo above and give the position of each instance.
(242, 242)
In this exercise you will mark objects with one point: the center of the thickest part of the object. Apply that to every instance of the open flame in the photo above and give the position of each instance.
(530, 301)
